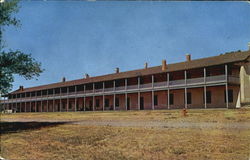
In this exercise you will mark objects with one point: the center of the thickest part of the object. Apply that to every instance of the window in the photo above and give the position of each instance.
(97, 102)
(230, 96)
(117, 103)
(208, 73)
(189, 98)
(229, 71)
(209, 97)
(171, 99)
(90, 103)
(106, 102)
(155, 100)
(171, 77)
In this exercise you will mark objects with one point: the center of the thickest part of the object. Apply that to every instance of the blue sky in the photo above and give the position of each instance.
(72, 38)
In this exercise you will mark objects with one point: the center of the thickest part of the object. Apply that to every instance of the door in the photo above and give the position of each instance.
(141, 103)
(128, 103)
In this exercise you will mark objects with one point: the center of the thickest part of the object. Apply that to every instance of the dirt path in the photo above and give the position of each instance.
(146, 124)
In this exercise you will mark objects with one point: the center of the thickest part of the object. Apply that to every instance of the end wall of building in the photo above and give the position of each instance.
(245, 84)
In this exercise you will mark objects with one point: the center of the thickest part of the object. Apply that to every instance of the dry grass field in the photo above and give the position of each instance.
(221, 134)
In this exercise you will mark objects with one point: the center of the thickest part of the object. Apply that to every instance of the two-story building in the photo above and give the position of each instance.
(215, 82)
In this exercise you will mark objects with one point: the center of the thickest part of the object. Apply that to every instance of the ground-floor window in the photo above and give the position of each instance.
(97, 102)
(90, 103)
(155, 100)
(106, 102)
(117, 103)
(189, 98)
(171, 99)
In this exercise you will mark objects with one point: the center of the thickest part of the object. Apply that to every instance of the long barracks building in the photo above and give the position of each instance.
(221, 81)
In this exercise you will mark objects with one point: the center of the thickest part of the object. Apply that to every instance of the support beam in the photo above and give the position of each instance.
(75, 98)
(185, 89)
(25, 105)
(226, 76)
(114, 95)
(103, 97)
(36, 101)
(153, 105)
(126, 95)
(60, 105)
(47, 101)
(114, 102)
(84, 98)
(139, 94)
(168, 91)
(30, 104)
(67, 109)
(93, 104)
(205, 89)
(53, 106)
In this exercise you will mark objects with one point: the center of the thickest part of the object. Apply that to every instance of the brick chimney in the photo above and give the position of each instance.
(86, 75)
(63, 79)
(188, 57)
(21, 88)
(146, 65)
(164, 65)
(117, 70)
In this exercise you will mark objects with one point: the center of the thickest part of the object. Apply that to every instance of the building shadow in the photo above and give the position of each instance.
(14, 127)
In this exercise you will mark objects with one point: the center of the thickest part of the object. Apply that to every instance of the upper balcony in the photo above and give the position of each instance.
(164, 85)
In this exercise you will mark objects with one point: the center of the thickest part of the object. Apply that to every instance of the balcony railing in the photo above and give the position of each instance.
(157, 85)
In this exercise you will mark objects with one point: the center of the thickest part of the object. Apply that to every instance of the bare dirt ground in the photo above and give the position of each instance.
(145, 124)
(210, 134)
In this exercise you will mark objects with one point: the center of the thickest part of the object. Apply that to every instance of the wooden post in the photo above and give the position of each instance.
(226, 74)
(103, 97)
(25, 96)
(168, 91)
(67, 109)
(114, 95)
(139, 94)
(47, 100)
(84, 98)
(53, 106)
(205, 89)
(93, 104)
(60, 100)
(35, 101)
(153, 105)
(126, 95)
(185, 89)
(75, 98)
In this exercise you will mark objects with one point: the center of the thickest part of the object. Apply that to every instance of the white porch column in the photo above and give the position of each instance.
(84, 98)
(47, 101)
(53, 106)
(126, 95)
(93, 107)
(226, 76)
(103, 96)
(168, 91)
(205, 89)
(114, 95)
(185, 89)
(75, 98)
(60, 99)
(153, 105)
(35, 101)
(139, 94)
(67, 109)
(25, 96)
